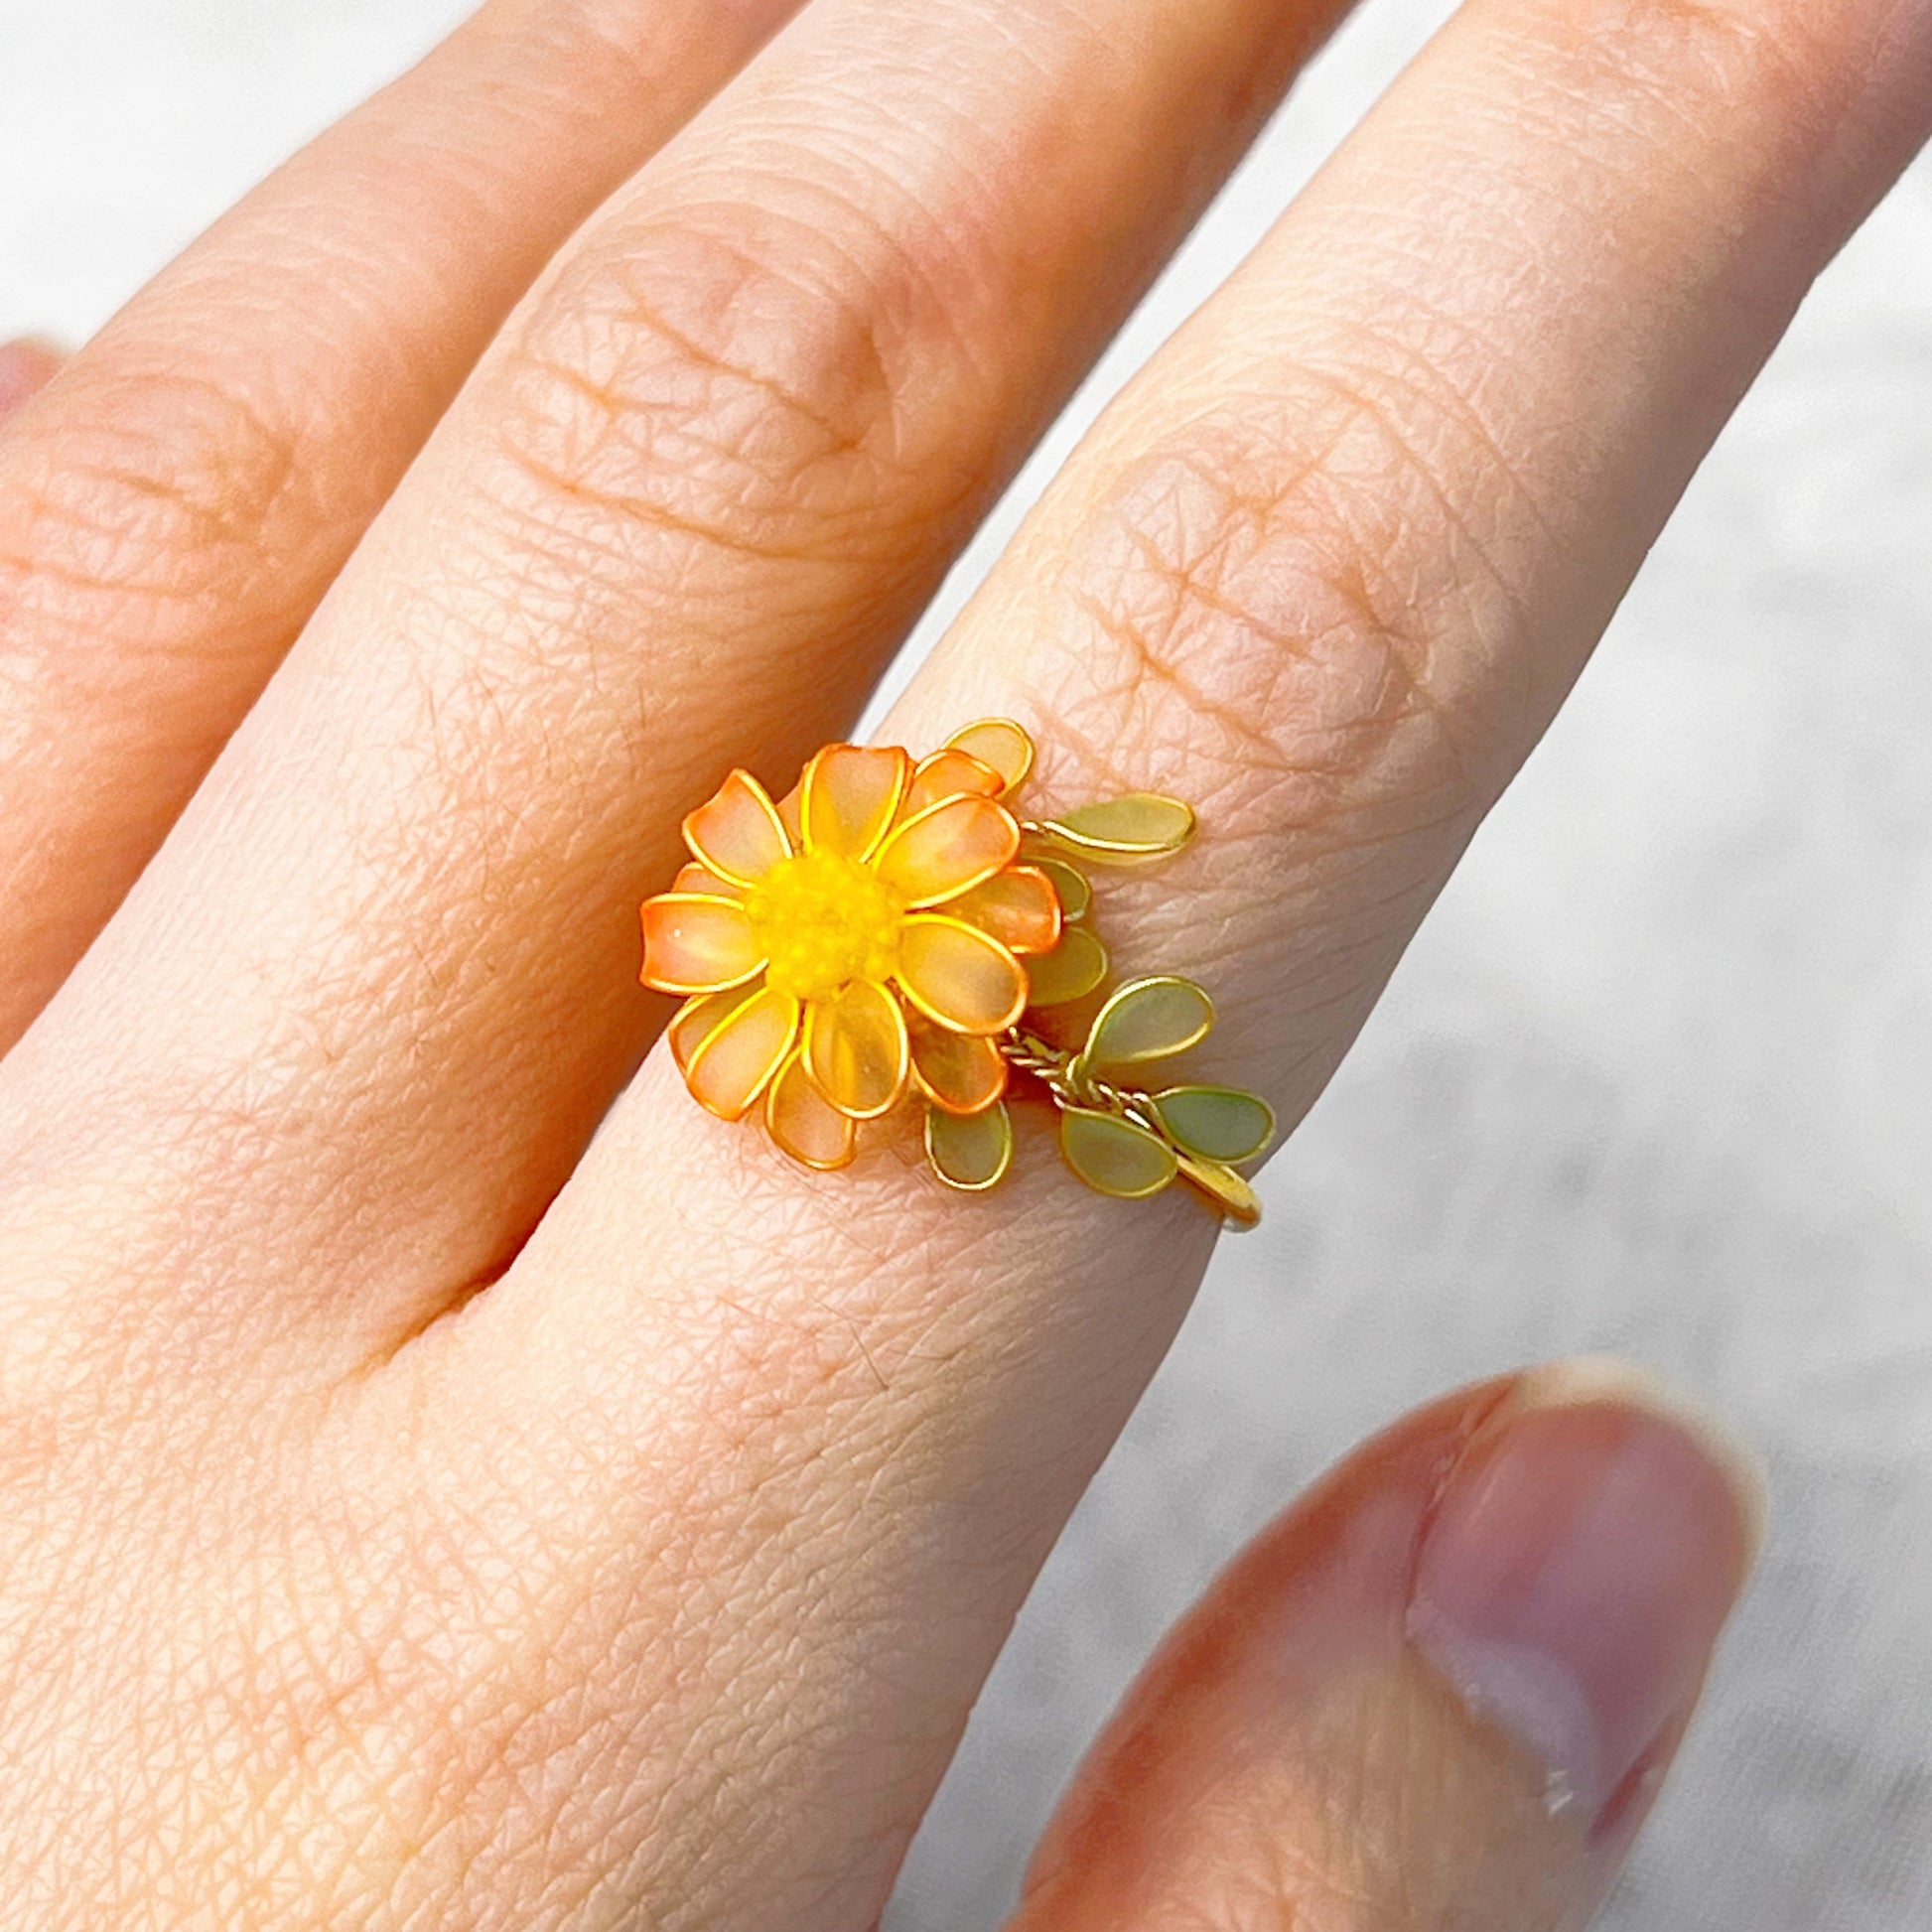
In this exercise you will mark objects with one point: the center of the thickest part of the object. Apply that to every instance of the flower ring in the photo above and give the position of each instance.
(889, 927)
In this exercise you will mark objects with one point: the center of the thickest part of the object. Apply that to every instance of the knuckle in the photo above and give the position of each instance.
(1807, 59)
(1304, 612)
(737, 378)
(157, 489)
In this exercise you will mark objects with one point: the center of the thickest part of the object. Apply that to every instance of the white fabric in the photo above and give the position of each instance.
(1653, 1079)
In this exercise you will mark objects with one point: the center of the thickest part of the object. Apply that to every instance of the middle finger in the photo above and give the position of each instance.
(686, 505)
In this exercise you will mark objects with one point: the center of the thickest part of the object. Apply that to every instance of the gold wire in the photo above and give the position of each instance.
(1073, 1085)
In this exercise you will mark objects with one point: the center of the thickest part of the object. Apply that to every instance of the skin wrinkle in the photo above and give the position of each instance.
(1357, 964)
(217, 463)
(1362, 730)
(1148, 665)
(640, 42)
(1425, 389)
(1749, 52)
(619, 408)
(1286, 1886)
(1626, 56)
(186, 1530)
(520, 1621)
(730, 538)
(961, 231)
(105, 506)
(629, 414)
(104, 575)
(865, 220)
(823, 363)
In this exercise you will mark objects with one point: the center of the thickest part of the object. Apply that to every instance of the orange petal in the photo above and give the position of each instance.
(1019, 906)
(696, 943)
(999, 743)
(736, 1058)
(947, 773)
(694, 878)
(856, 1050)
(804, 1123)
(948, 848)
(789, 819)
(696, 1018)
(958, 974)
(962, 1073)
(850, 794)
(737, 832)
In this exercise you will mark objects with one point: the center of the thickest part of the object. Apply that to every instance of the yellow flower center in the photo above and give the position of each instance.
(822, 921)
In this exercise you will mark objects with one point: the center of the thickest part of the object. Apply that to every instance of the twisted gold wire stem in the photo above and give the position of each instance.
(1075, 1085)
(1071, 1084)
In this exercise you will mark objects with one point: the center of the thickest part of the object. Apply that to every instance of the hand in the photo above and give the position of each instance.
(418, 1514)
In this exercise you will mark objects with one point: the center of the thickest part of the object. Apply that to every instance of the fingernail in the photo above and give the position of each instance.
(1577, 1567)
(26, 366)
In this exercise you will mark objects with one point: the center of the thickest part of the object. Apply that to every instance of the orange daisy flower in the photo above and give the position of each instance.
(855, 941)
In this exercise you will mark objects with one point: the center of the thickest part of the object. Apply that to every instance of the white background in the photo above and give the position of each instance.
(1654, 1079)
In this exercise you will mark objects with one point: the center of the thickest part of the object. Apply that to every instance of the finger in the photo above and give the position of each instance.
(1303, 578)
(691, 500)
(1333, 562)
(27, 367)
(171, 517)
(1441, 1691)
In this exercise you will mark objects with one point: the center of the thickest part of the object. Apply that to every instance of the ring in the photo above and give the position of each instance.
(893, 932)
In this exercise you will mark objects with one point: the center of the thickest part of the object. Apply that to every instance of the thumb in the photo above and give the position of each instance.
(1438, 1695)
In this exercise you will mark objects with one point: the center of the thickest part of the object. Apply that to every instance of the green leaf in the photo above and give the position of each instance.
(1069, 972)
(1114, 1155)
(1147, 1019)
(1217, 1123)
(1121, 831)
(970, 1152)
(1075, 894)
